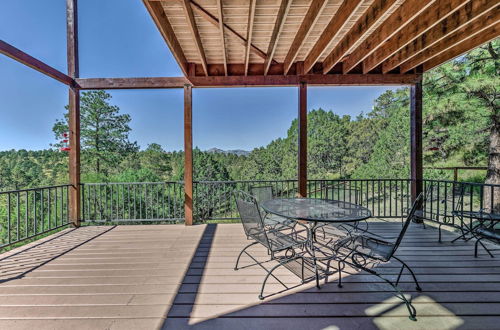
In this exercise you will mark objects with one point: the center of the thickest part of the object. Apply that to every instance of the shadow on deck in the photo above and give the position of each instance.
(176, 277)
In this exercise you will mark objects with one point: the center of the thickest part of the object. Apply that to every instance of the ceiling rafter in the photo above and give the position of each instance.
(215, 22)
(471, 11)
(463, 47)
(372, 15)
(193, 27)
(161, 20)
(394, 23)
(251, 17)
(278, 27)
(418, 26)
(469, 31)
(308, 22)
(341, 16)
(220, 10)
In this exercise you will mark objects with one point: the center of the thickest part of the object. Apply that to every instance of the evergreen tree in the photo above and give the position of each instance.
(104, 132)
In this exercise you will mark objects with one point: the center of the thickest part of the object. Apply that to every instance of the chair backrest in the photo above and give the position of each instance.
(251, 219)
(416, 205)
(262, 193)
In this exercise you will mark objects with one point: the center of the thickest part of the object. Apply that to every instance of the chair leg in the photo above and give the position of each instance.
(478, 241)
(341, 266)
(439, 230)
(476, 246)
(411, 310)
(270, 273)
(243, 251)
(419, 289)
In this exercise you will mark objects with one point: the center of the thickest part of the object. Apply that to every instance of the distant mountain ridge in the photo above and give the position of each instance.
(237, 152)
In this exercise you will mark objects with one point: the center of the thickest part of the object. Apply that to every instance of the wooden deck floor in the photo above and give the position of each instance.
(176, 277)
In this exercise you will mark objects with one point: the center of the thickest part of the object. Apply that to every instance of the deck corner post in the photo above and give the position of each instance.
(302, 140)
(188, 155)
(416, 166)
(74, 114)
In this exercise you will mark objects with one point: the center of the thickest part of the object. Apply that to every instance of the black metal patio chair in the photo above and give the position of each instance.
(264, 193)
(440, 206)
(490, 233)
(364, 252)
(287, 249)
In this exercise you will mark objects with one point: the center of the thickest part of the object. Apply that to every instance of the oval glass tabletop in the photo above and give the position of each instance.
(319, 210)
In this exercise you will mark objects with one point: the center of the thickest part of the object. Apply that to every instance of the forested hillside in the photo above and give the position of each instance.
(461, 127)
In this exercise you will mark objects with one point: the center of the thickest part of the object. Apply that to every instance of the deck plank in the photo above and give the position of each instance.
(176, 277)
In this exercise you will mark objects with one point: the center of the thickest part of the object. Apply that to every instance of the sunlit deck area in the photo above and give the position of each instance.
(178, 277)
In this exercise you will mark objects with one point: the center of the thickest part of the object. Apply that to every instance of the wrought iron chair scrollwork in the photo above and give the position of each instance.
(364, 251)
(285, 248)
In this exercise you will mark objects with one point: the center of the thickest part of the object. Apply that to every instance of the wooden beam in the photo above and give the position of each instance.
(416, 168)
(302, 140)
(74, 113)
(251, 16)
(419, 25)
(163, 24)
(376, 11)
(471, 11)
(131, 83)
(394, 23)
(305, 28)
(311, 79)
(188, 155)
(278, 27)
(342, 15)
(472, 30)
(215, 21)
(28, 60)
(463, 47)
(242, 81)
(193, 27)
(220, 10)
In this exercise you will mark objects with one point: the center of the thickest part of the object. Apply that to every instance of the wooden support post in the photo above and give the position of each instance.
(416, 168)
(188, 155)
(302, 141)
(74, 157)
(74, 113)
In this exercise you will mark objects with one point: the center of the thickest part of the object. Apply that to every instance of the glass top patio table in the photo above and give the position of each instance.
(316, 210)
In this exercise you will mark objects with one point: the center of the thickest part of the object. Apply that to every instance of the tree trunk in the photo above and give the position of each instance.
(491, 199)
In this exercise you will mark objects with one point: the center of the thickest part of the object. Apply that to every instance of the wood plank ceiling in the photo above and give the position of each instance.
(294, 37)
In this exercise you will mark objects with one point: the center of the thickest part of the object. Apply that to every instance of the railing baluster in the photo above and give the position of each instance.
(34, 213)
(26, 215)
(9, 229)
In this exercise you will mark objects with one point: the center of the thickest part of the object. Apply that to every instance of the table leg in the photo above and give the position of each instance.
(310, 233)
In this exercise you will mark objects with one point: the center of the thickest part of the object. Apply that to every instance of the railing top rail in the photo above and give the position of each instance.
(462, 182)
(353, 180)
(129, 183)
(244, 181)
(33, 189)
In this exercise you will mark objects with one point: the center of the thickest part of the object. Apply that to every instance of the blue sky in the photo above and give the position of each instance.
(119, 39)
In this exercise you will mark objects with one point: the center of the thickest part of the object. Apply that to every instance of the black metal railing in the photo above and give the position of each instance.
(386, 198)
(28, 213)
(214, 200)
(445, 200)
(133, 201)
